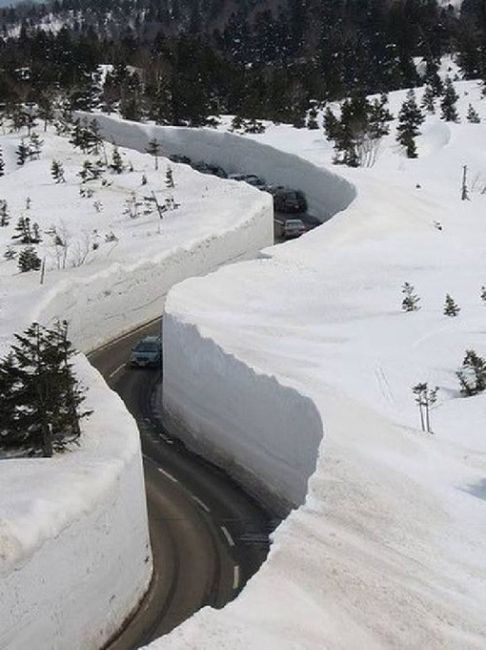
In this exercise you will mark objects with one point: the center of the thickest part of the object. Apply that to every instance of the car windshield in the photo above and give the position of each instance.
(147, 346)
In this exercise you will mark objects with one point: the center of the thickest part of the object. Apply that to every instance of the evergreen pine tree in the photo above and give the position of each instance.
(410, 300)
(57, 172)
(22, 153)
(331, 125)
(40, 394)
(450, 307)
(312, 123)
(35, 146)
(169, 178)
(94, 141)
(2, 163)
(472, 115)
(4, 214)
(28, 260)
(153, 148)
(409, 119)
(472, 375)
(24, 231)
(428, 100)
(448, 103)
(432, 76)
(237, 123)
(76, 138)
(116, 161)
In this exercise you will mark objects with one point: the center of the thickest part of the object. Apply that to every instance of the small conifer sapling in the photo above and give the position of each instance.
(410, 300)
(450, 307)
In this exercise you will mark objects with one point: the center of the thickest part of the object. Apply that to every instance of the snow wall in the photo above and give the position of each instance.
(229, 413)
(115, 299)
(326, 193)
(75, 558)
(220, 407)
(75, 561)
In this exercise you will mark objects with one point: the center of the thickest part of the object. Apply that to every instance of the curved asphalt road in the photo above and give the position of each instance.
(208, 537)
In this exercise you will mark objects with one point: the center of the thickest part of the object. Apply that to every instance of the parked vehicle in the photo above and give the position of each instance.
(253, 180)
(293, 228)
(180, 159)
(147, 352)
(213, 170)
(289, 201)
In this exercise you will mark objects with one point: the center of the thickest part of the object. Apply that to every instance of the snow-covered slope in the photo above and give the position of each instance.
(74, 551)
(389, 549)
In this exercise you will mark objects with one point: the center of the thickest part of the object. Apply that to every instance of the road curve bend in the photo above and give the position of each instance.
(208, 537)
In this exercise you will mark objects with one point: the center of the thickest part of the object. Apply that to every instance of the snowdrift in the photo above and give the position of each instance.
(389, 549)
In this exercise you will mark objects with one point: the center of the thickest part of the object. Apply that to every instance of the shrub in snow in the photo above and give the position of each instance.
(27, 233)
(169, 179)
(116, 164)
(450, 307)
(409, 119)
(132, 206)
(472, 375)
(4, 214)
(483, 294)
(10, 254)
(425, 398)
(472, 115)
(28, 260)
(448, 103)
(237, 123)
(254, 126)
(410, 299)
(91, 171)
(2, 164)
(40, 397)
(57, 172)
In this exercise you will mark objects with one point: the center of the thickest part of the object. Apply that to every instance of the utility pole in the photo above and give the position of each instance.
(464, 191)
(43, 271)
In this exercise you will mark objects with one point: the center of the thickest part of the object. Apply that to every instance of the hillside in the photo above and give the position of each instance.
(388, 550)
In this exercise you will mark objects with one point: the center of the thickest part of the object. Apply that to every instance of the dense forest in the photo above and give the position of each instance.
(178, 61)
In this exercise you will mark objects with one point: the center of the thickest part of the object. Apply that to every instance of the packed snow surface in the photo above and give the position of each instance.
(389, 548)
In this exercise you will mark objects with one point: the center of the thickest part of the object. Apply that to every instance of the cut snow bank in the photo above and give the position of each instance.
(326, 192)
(210, 398)
(75, 558)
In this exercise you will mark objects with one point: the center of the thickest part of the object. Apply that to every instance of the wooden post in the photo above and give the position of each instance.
(464, 191)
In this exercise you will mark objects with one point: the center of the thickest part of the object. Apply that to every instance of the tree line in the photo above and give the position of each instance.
(184, 61)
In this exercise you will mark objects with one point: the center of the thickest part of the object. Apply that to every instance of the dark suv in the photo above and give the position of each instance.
(289, 201)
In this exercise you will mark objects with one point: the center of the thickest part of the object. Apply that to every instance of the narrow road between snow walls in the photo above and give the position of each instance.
(208, 537)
